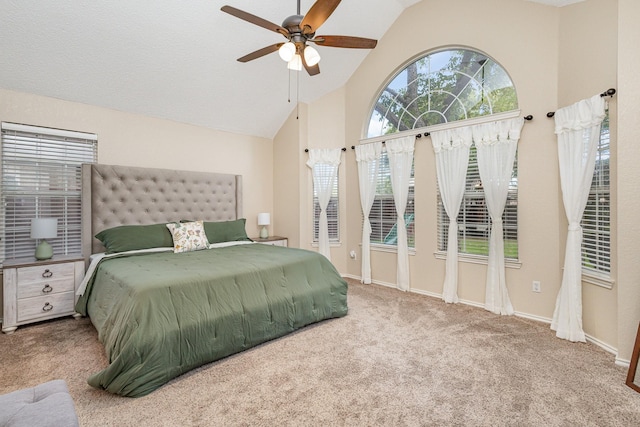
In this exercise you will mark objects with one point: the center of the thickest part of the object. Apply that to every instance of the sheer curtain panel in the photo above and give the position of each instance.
(496, 145)
(323, 179)
(578, 130)
(368, 160)
(400, 152)
(451, 149)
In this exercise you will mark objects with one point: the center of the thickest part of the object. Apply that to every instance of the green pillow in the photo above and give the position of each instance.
(132, 237)
(225, 231)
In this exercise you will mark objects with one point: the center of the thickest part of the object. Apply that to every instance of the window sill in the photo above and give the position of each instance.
(597, 279)
(478, 259)
(331, 244)
(389, 248)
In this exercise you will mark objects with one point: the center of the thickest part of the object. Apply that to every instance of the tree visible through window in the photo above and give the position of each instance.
(440, 88)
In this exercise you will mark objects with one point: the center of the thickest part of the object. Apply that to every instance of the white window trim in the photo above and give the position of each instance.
(597, 279)
(478, 259)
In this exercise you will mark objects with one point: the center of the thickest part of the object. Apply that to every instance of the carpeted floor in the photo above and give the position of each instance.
(397, 359)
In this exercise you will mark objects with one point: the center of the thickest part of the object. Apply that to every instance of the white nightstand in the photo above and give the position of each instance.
(272, 240)
(39, 290)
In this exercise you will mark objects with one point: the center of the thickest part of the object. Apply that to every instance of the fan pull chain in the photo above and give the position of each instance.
(297, 95)
(289, 88)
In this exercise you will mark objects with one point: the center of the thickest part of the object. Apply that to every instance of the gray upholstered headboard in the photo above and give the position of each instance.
(123, 195)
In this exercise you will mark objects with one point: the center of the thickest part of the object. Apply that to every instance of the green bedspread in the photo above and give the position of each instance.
(162, 314)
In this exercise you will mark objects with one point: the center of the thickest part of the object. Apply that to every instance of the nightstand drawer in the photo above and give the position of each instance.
(44, 288)
(46, 306)
(44, 273)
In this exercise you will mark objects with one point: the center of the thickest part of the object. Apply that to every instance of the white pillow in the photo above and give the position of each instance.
(188, 236)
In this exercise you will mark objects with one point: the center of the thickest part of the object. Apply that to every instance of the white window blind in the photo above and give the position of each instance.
(474, 222)
(41, 178)
(383, 216)
(324, 171)
(596, 225)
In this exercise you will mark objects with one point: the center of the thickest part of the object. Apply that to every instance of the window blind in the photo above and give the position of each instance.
(41, 178)
(474, 222)
(324, 172)
(383, 216)
(596, 224)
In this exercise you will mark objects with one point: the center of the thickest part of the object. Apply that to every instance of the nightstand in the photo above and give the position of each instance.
(39, 290)
(272, 240)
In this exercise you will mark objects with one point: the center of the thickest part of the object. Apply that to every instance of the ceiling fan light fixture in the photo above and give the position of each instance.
(287, 51)
(311, 56)
(295, 63)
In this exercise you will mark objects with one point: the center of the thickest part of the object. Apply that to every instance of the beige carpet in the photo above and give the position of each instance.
(396, 359)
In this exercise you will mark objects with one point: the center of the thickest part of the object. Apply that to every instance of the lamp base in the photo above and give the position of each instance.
(44, 251)
(264, 233)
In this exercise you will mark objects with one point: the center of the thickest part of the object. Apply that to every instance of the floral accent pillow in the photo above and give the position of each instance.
(188, 236)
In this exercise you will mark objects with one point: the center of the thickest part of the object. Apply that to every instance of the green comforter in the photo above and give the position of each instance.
(159, 315)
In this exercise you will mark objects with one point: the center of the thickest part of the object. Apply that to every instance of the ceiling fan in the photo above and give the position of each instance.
(298, 30)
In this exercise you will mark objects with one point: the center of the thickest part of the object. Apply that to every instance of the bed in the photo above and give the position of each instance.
(159, 313)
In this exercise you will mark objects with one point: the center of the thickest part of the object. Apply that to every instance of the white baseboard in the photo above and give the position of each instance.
(603, 345)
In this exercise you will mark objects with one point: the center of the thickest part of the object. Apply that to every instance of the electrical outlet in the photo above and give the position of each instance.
(352, 254)
(536, 286)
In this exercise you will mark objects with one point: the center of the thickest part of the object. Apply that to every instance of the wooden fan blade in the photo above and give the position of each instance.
(260, 52)
(254, 20)
(311, 69)
(345, 41)
(316, 16)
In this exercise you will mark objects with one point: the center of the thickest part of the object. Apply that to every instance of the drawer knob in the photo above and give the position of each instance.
(47, 273)
(47, 307)
(47, 288)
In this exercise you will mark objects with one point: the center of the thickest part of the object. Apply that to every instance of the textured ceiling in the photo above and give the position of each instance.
(176, 59)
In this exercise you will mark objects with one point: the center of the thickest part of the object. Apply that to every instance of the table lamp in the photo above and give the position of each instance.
(264, 219)
(44, 228)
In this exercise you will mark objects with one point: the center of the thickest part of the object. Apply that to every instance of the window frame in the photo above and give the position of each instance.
(333, 211)
(386, 224)
(596, 222)
(48, 163)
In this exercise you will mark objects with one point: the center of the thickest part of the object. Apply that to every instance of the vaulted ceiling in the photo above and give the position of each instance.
(176, 59)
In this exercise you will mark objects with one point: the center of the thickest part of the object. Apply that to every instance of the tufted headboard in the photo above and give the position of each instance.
(124, 195)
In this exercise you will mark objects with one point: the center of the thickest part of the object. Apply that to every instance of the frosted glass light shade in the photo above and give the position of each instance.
(311, 56)
(287, 51)
(295, 63)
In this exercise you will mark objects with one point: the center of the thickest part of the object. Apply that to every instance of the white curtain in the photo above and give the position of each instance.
(324, 163)
(451, 148)
(400, 153)
(496, 145)
(578, 130)
(368, 160)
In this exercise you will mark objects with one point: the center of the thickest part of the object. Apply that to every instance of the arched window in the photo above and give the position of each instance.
(442, 87)
(439, 88)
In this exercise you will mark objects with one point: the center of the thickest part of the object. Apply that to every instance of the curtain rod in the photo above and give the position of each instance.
(306, 150)
(609, 92)
(528, 118)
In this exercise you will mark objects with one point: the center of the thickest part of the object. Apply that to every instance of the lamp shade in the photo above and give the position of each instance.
(44, 228)
(264, 218)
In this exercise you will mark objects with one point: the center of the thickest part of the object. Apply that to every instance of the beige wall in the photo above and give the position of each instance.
(131, 139)
(528, 50)
(628, 161)
(555, 56)
(587, 66)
